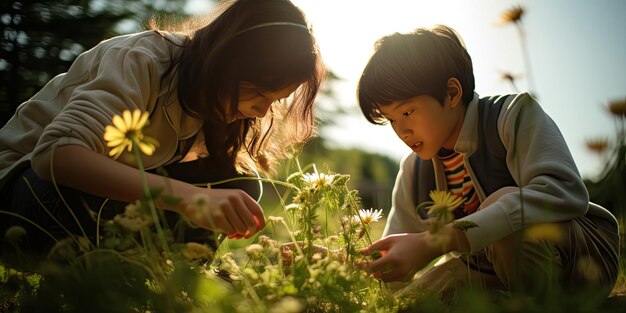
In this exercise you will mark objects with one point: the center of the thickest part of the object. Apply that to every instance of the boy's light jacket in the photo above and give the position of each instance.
(125, 72)
(506, 141)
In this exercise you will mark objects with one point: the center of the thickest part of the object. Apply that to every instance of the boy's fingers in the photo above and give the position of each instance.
(382, 244)
(390, 276)
(381, 265)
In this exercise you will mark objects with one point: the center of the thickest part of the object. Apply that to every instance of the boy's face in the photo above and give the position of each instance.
(424, 124)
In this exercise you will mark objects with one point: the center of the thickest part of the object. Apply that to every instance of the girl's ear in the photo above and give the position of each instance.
(454, 92)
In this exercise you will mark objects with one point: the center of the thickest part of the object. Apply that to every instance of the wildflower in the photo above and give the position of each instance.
(275, 219)
(368, 216)
(200, 203)
(132, 219)
(318, 180)
(618, 107)
(292, 207)
(444, 203)
(513, 15)
(126, 131)
(598, 145)
(195, 251)
(68, 249)
(251, 274)
(303, 195)
(254, 249)
(548, 232)
(228, 263)
(332, 238)
(14, 234)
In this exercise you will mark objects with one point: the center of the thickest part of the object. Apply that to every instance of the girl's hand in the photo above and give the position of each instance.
(231, 211)
(405, 254)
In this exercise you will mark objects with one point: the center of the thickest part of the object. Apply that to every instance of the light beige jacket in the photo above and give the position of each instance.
(125, 72)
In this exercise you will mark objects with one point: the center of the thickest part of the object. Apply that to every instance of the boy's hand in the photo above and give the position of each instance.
(405, 254)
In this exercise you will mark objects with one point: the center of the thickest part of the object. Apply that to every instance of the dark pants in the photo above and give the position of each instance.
(36, 201)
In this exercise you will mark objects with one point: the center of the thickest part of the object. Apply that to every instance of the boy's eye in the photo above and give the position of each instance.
(407, 113)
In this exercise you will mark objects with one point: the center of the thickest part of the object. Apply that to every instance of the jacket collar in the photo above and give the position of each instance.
(467, 143)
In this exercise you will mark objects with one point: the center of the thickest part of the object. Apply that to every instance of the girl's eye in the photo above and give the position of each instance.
(407, 113)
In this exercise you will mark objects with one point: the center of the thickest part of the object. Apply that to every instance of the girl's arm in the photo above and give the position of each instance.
(231, 211)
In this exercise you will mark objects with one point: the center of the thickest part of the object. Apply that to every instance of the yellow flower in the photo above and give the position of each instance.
(513, 15)
(443, 201)
(443, 204)
(368, 216)
(193, 251)
(126, 131)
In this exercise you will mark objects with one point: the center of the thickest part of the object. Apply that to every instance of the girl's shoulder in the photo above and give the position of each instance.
(157, 44)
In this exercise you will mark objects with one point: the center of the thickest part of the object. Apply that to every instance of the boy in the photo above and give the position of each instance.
(502, 155)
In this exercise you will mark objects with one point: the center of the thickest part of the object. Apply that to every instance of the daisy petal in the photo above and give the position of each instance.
(118, 122)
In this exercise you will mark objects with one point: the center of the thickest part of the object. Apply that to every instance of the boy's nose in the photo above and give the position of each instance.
(405, 132)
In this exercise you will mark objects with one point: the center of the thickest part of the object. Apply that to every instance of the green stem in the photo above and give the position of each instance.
(148, 195)
(56, 187)
(98, 223)
(293, 239)
(265, 180)
(31, 222)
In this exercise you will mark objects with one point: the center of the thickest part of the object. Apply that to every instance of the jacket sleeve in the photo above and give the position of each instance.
(403, 217)
(540, 162)
(114, 78)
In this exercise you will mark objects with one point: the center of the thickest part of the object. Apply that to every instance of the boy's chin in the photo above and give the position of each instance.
(424, 155)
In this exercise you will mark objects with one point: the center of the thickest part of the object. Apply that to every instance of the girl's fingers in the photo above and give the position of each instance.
(241, 209)
(233, 218)
(255, 209)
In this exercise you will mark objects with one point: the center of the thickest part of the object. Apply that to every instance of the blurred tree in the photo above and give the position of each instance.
(40, 39)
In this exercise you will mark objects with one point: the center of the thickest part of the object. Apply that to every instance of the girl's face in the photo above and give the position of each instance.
(255, 102)
(424, 124)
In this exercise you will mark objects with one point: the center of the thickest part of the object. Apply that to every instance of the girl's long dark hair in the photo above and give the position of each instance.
(219, 56)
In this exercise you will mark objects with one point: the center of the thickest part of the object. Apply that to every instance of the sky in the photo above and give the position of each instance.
(576, 56)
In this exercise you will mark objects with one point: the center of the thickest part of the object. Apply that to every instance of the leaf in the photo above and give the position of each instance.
(464, 225)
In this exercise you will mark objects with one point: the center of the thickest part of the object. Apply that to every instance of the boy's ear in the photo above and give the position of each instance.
(454, 92)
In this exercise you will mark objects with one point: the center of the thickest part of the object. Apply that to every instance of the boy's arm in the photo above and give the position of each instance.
(403, 217)
(541, 164)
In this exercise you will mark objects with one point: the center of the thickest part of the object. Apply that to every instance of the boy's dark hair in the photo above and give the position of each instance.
(409, 65)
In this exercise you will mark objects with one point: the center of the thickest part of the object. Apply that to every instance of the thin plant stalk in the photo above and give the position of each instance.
(146, 190)
(31, 222)
(56, 187)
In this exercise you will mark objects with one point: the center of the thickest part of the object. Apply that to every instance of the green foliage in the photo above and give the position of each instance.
(41, 39)
(371, 174)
